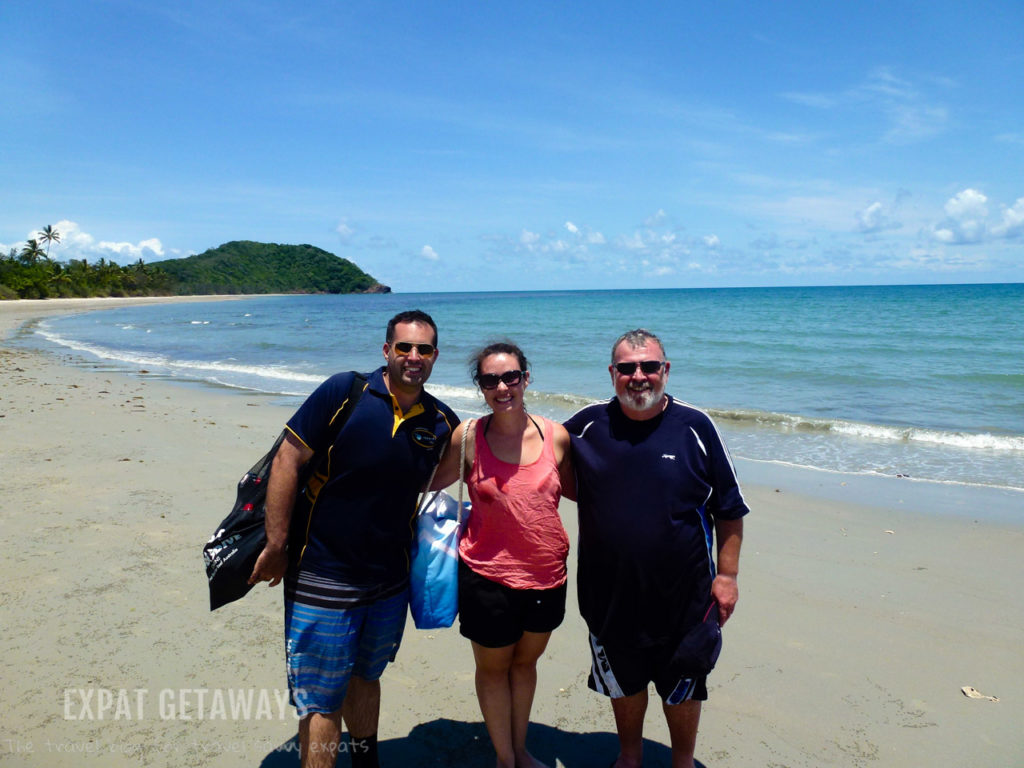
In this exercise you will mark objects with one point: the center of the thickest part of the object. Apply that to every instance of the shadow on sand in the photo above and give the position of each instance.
(454, 744)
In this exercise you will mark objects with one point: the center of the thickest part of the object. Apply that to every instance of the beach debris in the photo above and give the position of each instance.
(974, 693)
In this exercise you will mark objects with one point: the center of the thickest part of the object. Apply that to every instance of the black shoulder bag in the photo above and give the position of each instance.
(232, 551)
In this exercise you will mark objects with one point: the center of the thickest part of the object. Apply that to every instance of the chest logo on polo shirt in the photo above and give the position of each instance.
(424, 438)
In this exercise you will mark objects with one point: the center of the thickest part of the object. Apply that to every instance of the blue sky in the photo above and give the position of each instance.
(531, 145)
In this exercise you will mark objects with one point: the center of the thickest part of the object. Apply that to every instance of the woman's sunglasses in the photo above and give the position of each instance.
(405, 347)
(490, 380)
(647, 366)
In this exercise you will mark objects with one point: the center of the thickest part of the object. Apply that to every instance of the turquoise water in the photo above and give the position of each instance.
(924, 381)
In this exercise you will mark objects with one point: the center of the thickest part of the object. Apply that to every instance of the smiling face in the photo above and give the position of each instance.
(640, 394)
(408, 373)
(503, 397)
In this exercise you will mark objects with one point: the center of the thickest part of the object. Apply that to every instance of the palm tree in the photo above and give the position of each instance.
(31, 253)
(49, 235)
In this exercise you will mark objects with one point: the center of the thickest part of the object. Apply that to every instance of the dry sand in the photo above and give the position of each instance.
(865, 606)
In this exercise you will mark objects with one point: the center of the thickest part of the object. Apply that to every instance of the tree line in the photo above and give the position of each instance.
(240, 266)
(32, 274)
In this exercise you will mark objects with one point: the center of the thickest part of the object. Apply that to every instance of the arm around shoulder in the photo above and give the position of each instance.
(448, 468)
(563, 455)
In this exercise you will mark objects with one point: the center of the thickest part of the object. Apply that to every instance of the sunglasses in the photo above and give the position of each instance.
(405, 347)
(647, 366)
(490, 380)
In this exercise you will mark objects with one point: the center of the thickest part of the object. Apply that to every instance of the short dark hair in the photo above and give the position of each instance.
(637, 338)
(496, 348)
(410, 316)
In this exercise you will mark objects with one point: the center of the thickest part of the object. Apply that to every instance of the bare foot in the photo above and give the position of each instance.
(526, 760)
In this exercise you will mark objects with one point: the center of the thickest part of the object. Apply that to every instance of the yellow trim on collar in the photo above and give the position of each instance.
(416, 410)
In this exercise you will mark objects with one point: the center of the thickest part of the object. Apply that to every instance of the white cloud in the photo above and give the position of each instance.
(1012, 224)
(965, 221)
(145, 249)
(875, 218)
(969, 204)
(590, 238)
(528, 238)
(657, 219)
(712, 241)
(939, 260)
(77, 244)
(345, 232)
(910, 115)
(634, 242)
(72, 237)
(429, 253)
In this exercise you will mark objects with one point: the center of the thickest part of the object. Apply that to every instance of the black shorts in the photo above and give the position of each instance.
(620, 672)
(494, 616)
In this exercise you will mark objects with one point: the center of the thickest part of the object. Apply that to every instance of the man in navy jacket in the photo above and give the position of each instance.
(655, 488)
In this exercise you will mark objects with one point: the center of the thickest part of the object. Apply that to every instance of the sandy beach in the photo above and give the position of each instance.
(866, 605)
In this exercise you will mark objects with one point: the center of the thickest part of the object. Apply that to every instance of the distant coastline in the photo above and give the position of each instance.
(238, 267)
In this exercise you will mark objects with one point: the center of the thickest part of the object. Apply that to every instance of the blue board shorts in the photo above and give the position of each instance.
(328, 639)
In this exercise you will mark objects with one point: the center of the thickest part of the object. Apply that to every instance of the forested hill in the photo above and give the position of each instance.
(243, 266)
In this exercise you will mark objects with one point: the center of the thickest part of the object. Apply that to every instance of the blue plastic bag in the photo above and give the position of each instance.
(434, 573)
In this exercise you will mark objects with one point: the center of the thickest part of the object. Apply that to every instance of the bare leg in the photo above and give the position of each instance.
(629, 723)
(319, 739)
(506, 679)
(362, 707)
(683, 720)
(494, 693)
(523, 679)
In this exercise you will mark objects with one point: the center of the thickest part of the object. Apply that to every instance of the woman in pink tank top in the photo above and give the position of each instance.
(512, 575)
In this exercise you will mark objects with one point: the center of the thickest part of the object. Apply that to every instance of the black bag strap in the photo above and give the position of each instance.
(318, 461)
(303, 506)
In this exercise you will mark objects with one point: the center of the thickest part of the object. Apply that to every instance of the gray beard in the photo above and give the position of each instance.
(644, 399)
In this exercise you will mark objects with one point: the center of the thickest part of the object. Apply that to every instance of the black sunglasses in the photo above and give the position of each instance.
(647, 366)
(490, 380)
(405, 347)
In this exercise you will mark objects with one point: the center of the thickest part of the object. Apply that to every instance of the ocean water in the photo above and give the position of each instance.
(921, 381)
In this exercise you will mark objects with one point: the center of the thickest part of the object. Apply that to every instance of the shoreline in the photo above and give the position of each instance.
(1001, 503)
(863, 607)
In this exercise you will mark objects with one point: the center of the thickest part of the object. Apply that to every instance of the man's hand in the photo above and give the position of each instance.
(270, 566)
(726, 591)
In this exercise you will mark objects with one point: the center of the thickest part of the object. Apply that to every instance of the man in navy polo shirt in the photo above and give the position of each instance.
(346, 572)
(655, 487)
